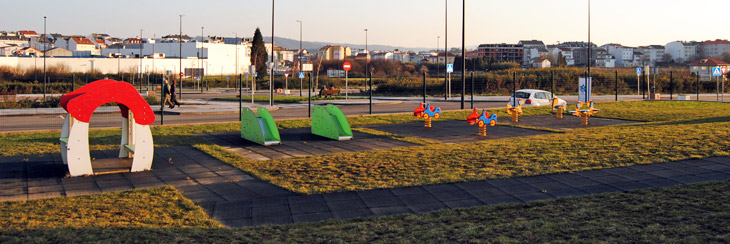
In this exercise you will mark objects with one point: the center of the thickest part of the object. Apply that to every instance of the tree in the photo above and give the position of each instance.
(667, 58)
(258, 53)
(561, 60)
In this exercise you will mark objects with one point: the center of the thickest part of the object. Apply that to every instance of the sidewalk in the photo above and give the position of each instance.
(237, 199)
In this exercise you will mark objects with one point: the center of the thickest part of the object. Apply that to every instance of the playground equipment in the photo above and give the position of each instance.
(427, 113)
(137, 115)
(259, 128)
(558, 108)
(331, 123)
(584, 113)
(515, 111)
(482, 121)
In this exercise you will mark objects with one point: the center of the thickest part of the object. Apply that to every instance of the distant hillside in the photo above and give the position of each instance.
(313, 47)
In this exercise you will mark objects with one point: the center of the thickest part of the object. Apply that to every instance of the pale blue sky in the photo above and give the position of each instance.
(410, 23)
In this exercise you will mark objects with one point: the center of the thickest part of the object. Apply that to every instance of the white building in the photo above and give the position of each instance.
(655, 53)
(715, 48)
(624, 56)
(683, 52)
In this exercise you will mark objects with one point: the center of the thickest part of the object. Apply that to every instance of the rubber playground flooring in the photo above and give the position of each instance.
(301, 142)
(568, 122)
(455, 131)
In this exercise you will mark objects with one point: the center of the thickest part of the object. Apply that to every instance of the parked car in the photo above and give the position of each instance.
(534, 97)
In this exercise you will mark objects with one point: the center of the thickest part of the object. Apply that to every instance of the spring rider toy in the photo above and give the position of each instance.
(482, 121)
(515, 111)
(427, 113)
(558, 108)
(584, 113)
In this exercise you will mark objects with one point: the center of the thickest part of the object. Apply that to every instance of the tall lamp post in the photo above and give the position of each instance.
(200, 59)
(588, 79)
(140, 59)
(45, 49)
(179, 40)
(367, 54)
(463, 52)
(438, 44)
(446, 48)
(300, 56)
(235, 72)
(271, 74)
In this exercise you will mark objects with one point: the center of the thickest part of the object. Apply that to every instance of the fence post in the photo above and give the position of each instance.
(698, 87)
(162, 101)
(371, 92)
(240, 96)
(424, 87)
(472, 89)
(671, 85)
(616, 86)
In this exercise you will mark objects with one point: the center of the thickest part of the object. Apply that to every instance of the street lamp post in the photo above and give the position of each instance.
(588, 79)
(179, 40)
(200, 59)
(463, 52)
(300, 56)
(235, 72)
(446, 48)
(367, 54)
(271, 74)
(45, 49)
(438, 44)
(140, 59)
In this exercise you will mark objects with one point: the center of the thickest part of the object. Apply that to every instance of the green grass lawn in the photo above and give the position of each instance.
(683, 214)
(161, 207)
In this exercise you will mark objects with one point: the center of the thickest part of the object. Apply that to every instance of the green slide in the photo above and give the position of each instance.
(259, 128)
(330, 122)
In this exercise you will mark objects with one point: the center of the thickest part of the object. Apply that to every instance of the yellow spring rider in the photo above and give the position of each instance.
(584, 113)
(515, 111)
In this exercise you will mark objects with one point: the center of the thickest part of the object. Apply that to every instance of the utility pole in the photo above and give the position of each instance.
(45, 49)
(463, 52)
(446, 49)
(300, 57)
(140, 59)
(271, 75)
(179, 40)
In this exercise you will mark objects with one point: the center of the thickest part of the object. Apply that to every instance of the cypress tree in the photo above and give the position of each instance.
(258, 53)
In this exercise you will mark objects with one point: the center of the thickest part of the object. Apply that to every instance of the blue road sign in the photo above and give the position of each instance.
(716, 71)
(198, 78)
(450, 68)
(228, 77)
(301, 75)
(638, 71)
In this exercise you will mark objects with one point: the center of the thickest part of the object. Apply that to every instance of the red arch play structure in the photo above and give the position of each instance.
(80, 104)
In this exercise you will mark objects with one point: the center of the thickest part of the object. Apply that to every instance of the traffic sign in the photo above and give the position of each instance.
(307, 67)
(450, 68)
(716, 71)
(181, 74)
(724, 69)
(346, 66)
(301, 75)
(197, 78)
(638, 71)
(286, 75)
(228, 77)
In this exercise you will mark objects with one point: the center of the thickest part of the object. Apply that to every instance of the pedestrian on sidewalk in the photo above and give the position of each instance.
(173, 96)
(166, 92)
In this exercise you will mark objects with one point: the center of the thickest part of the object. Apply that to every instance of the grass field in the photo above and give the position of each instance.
(683, 214)
(674, 130)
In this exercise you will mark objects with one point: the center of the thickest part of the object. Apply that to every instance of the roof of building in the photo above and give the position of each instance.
(717, 41)
(709, 62)
(28, 32)
(532, 42)
(82, 41)
(539, 59)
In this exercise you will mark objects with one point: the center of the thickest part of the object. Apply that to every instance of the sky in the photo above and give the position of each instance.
(405, 23)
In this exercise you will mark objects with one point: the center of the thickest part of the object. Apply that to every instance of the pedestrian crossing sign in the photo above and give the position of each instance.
(716, 71)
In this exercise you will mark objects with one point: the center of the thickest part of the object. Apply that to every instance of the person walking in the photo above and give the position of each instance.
(166, 92)
(173, 96)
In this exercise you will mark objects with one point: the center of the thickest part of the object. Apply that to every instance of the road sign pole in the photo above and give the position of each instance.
(309, 99)
(240, 96)
(424, 87)
(346, 66)
(346, 84)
